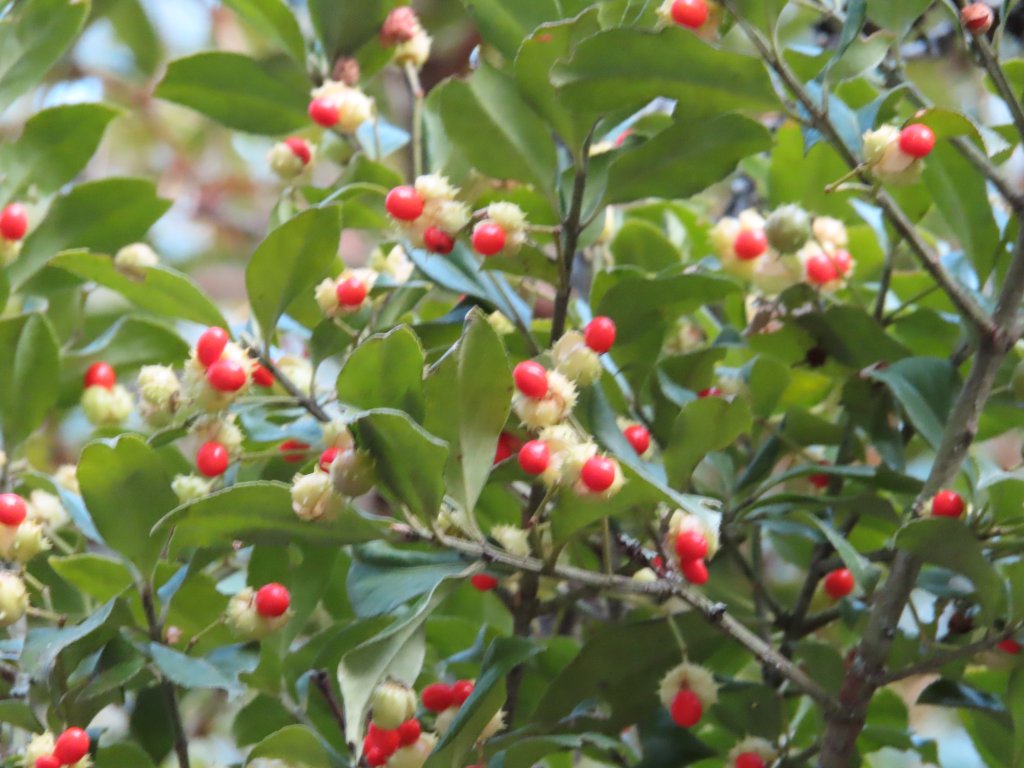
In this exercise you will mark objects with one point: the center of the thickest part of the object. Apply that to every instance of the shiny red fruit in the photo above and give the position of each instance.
(404, 203)
(47, 761)
(100, 375)
(293, 451)
(917, 140)
(436, 241)
(691, 545)
(483, 582)
(531, 379)
(600, 334)
(819, 479)
(262, 377)
(13, 510)
(820, 269)
(351, 292)
(211, 345)
(409, 732)
(226, 375)
(71, 746)
(374, 757)
(534, 457)
(977, 17)
(598, 473)
(843, 261)
(748, 760)
(461, 691)
(749, 244)
(437, 697)
(327, 458)
(639, 437)
(686, 709)
(1009, 645)
(386, 741)
(690, 13)
(212, 459)
(324, 112)
(272, 600)
(507, 445)
(300, 148)
(13, 221)
(488, 238)
(839, 583)
(947, 504)
(709, 392)
(695, 571)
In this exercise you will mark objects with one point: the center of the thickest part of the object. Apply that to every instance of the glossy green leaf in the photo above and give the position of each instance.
(122, 754)
(44, 644)
(897, 17)
(98, 576)
(19, 714)
(29, 369)
(504, 25)
(135, 29)
(925, 387)
(295, 744)
(275, 20)
(702, 426)
(343, 28)
(385, 371)
(382, 578)
(642, 244)
(188, 671)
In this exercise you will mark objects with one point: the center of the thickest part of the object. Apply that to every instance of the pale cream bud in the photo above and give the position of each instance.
(135, 259)
(683, 521)
(693, 677)
(23, 542)
(352, 473)
(298, 370)
(67, 477)
(434, 186)
(313, 497)
(159, 393)
(415, 755)
(549, 410)
(284, 161)
(392, 704)
(576, 360)
(829, 231)
(512, 539)
(9, 251)
(13, 598)
(47, 509)
(107, 407)
(189, 488)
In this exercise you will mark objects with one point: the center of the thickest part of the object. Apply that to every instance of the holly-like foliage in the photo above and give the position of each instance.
(510, 382)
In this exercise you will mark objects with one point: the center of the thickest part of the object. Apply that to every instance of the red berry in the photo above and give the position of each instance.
(293, 451)
(404, 203)
(507, 445)
(843, 261)
(977, 17)
(100, 375)
(212, 459)
(299, 148)
(694, 571)
(749, 244)
(436, 241)
(13, 510)
(531, 379)
(691, 545)
(1009, 645)
(488, 238)
(598, 473)
(709, 392)
(820, 269)
(47, 761)
(324, 112)
(600, 334)
(262, 377)
(690, 13)
(272, 600)
(917, 140)
(534, 457)
(351, 292)
(409, 732)
(483, 582)
(374, 757)
(13, 222)
(71, 746)
(386, 741)
(211, 345)
(686, 709)
(839, 583)
(437, 697)
(327, 458)
(748, 760)
(461, 691)
(947, 504)
(226, 375)
(819, 479)
(639, 437)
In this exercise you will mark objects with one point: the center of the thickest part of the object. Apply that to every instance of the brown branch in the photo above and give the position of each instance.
(167, 687)
(942, 658)
(287, 384)
(322, 681)
(570, 239)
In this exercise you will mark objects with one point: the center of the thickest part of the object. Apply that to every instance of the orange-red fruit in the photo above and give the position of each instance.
(1009, 645)
(977, 17)
(947, 504)
(404, 203)
(436, 241)
(324, 112)
(212, 459)
(639, 437)
(299, 148)
(686, 709)
(47, 761)
(13, 222)
(351, 292)
(507, 445)
(262, 377)
(488, 238)
(843, 261)
(917, 140)
(437, 697)
(211, 345)
(386, 741)
(821, 270)
(100, 375)
(839, 583)
(691, 545)
(226, 375)
(599, 334)
(409, 732)
(534, 457)
(819, 479)
(748, 760)
(272, 600)
(461, 691)
(598, 473)
(749, 244)
(690, 13)
(483, 582)
(374, 757)
(531, 379)
(71, 746)
(293, 451)
(13, 510)
(694, 571)
(709, 392)
(327, 458)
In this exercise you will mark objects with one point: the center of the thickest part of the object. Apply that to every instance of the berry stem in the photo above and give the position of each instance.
(676, 634)
(568, 242)
(413, 78)
(287, 384)
(941, 658)
(201, 634)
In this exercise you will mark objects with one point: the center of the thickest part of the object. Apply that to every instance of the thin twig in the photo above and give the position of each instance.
(942, 658)
(169, 691)
(322, 681)
(413, 77)
(570, 239)
(287, 384)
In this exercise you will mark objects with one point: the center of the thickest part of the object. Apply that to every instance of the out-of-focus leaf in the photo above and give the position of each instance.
(29, 375)
(385, 371)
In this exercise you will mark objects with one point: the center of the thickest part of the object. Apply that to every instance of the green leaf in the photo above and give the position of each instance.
(187, 671)
(44, 644)
(925, 387)
(345, 27)
(161, 290)
(475, 373)
(685, 159)
(1015, 703)
(123, 754)
(134, 28)
(294, 744)
(864, 573)
(123, 475)
(33, 36)
(852, 336)
(98, 215)
(641, 244)
(409, 461)
(20, 715)
(53, 148)
(98, 576)
(385, 371)
(260, 512)
(382, 578)
(29, 375)
(265, 97)
(275, 20)
(292, 259)
(897, 17)
(504, 25)
(702, 426)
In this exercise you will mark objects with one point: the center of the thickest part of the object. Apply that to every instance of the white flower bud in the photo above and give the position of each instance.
(396, 264)
(450, 216)
(512, 539)
(692, 676)
(509, 216)
(683, 521)
(444, 720)
(135, 259)
(830, 232)
(13, 598)
(434, 186)
(878, 141)
(47, 509)
(40, 745)
(285, 162)
(888, 162)
(298, 370)
(414, 51)
(67, 476)
(645, 576)
(221, 428)
(9, 251)
(107, 407)
(189, 488)
(313, 497)
(549, 410)
(22, 543)
(576, 360)
(354, 106)
(352, 473)
(774, 274)
(392, 704)
(494, 726)
(501, 324)
(245, 620)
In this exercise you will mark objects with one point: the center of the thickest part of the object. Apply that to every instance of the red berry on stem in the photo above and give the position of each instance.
(404, 203)
(639, 437)
(507, 445)
(386, 741)
(598, 473)
(977, 17)
(374, 757)
(917, 140)
(71, 746)
(600, 334)
(691, 545)
(461, 691)
(13, 222)
(324, 112)
(226, 375)
(483, 582)
(819, 479)
(686, 709)
(1009, 645)
(843, 261)
(839, 583)
(690, 13)
(100, 375)
(436, 241)
(211, 345)
(299, 148)
(293, 451)
(488, 238)
(531, 379)
(694, 571)
(272, 600)
(748, 760)
(947, 504)
(327, 458)
(820, 269)
(262, 377)
(437, 697)
(13, 510)
(409, 732)
(212, 459)
(47, 761)
(351, 292)
(534, 457)
(749, 244)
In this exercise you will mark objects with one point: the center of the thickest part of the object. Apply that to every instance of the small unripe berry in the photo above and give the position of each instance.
(947, 504)
(327, 458)
(820, 270)
(47, 761)
(212, 459)
(409, 732)
(694, 571)
(749, 760)
(749, 244)
(488, 238)
(819, 480)
(531, 379)
(691, 545)
(261, 376)
(461, 691)
(324, 112)
(1009, 645)
(293, 451)
(917, 140)
(226, 375)
(352, 473)
(436, 241)
(351, 292)
(404, 203)
(600, 334)
(392, 704)
(483, 582)
(534, 457)
(690, 13)
(211, 345)
(598, 473)
(100, 375)
(839, 583)
(437, 697)
(13, 598)
(788, 228)
(13, 510)
(71, 746)
(272, 600)
(639, 437)
(686, 709)
(13, 222)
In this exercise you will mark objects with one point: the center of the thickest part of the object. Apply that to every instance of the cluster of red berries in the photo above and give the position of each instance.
(692, 549)
(824, 268)
(405, 204)
(224, 375)
(100, 374)
(380, 744)
(70, 747)
(13, 222)
(437, 697)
